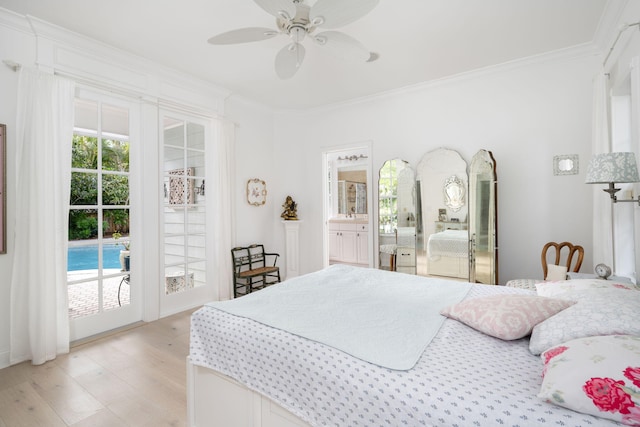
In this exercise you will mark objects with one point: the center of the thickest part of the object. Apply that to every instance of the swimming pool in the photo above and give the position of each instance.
(86, 257)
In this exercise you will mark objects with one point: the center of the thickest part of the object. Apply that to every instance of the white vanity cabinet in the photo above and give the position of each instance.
(348, 243)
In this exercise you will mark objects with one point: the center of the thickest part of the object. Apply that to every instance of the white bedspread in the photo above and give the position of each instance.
(464, 378)
(449, 243)
(381, 317)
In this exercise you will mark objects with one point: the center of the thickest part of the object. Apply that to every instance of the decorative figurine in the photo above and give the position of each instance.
(289, 210)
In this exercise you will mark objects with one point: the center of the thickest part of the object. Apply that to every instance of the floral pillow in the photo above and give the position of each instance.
(555, 289)
(507, 317)
(595, 375)
(597, 312)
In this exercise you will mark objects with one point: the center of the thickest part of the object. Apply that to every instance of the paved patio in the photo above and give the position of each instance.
(83, 297)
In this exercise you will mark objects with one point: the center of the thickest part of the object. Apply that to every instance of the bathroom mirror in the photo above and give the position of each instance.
(442, 247)
(352, 190)
(483, 228)
(397, 217)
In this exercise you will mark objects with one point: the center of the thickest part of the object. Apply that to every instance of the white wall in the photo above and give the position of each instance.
(524, 114)
(254, 158)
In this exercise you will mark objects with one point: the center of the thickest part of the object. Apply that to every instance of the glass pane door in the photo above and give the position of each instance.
(99, 260)
(184, 210)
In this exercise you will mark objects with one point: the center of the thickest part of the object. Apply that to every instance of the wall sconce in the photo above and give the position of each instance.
(200, 190)
(353, 158)
(611, 168)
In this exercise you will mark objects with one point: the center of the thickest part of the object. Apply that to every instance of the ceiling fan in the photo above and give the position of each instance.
(297, 20)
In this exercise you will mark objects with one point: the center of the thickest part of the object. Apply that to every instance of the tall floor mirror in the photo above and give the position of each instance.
(397, 216)
(439, 221)
(443, 241)
(483, 230)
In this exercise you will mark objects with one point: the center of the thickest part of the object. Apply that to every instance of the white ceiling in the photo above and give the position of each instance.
(417, 40)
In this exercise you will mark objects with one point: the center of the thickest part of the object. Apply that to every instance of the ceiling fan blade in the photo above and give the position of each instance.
(336, 13)
(276, 7)
(289, 59)
(243, 35)
(342, 45)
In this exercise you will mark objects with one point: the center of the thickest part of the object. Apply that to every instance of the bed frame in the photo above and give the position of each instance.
(449, 267)
(215, 400)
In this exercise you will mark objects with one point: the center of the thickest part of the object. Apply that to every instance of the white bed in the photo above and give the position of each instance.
(244, 373)
(448, 254)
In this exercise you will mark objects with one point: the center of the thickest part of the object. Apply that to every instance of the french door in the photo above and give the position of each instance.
(186, 255)
(103, 287)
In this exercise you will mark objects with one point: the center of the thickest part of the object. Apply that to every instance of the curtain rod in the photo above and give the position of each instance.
(11, 64)
(624, 28)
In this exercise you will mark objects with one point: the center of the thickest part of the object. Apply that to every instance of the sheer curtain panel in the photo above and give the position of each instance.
(224, 223)
(44, 130)
(601, 143)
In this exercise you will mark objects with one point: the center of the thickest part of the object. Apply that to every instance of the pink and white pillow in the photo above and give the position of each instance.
(595, 375)
(508, 317)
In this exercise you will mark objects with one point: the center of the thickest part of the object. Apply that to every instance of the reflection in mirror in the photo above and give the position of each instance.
(397, 216)
(483, 229)
(454, 193)
(351, 188)
(442, 238)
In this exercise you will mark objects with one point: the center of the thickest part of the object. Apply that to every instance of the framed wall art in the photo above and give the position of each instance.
(3, 188)
(256, 192)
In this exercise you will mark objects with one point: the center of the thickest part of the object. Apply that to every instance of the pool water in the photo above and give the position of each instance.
(86, 257)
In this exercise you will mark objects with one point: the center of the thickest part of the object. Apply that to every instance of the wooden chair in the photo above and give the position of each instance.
(250, 269)
(566, 254)
(572, 264)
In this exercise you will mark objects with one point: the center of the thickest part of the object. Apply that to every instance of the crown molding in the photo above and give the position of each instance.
(578, 51)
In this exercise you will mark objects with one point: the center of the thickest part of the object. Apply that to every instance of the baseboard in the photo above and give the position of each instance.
(4, 359)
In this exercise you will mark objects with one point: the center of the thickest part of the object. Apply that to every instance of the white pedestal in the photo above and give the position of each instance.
(291, 241)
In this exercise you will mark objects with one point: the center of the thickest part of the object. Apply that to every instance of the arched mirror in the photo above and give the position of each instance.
(483, 228)
(397, 217)
(442, 231)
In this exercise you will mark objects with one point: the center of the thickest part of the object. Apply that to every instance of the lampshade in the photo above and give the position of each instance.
(612, 167)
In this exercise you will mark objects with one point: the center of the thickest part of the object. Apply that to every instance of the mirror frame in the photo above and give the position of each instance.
(483, 164)
(560, 159)
(401, 233)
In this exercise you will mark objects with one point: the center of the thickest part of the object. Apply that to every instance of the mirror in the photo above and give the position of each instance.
(442, 231)
(397, 217)
(352, 192)
(565, 164)
(483, 229)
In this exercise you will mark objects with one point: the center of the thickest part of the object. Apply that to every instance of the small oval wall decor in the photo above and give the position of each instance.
(256, 192)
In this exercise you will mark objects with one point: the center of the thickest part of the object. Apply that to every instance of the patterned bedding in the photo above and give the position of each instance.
(449, 243)
(464, 378)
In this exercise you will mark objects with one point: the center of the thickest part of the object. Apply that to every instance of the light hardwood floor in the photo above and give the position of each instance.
(135, 377)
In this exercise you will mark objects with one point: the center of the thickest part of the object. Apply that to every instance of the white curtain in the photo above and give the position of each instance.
(601, 143)
(224, 203)
(39, 307)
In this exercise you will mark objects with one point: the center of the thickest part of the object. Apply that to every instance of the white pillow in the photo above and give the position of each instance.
(508, 317)
(555, 289)
(596, 375)
(556, 272)
(597, 312)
